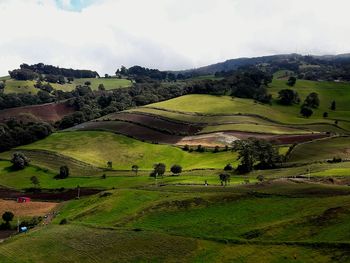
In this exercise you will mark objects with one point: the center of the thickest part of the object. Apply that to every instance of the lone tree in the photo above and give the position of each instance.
(19, 161)
(158, 170)
(7, 217)
(333, 105)
(291, 81)
(224, 178)
(64, 172)
(135, 169)
(176, 169)
(312, 100)
(325, 115)
(35, 181)
(306, 112)
(109, 165)
(87, 83)
(288, 97)
(255, 153)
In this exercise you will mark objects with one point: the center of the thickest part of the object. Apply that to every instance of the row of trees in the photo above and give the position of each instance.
(31, 72)
(14, 133)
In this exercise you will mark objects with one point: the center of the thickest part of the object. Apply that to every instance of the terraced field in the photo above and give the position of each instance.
(182, 224)
(97, 148)
(50, 112)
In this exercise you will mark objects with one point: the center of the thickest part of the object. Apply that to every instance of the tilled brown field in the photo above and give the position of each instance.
(50, 112)
(156, 122)
(210, 140)
(33, 208)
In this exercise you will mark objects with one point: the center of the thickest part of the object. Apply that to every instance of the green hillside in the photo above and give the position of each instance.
(27, 86)
(97, 148)
(207, 226)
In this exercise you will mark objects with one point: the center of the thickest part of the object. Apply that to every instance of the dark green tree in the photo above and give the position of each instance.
(176, 169)
(246, 154)
(19, 161)
(288, 97)
(312, 100)
(333, 105)
(306, 111)
(64, 172)
(7, 217)
(158, 170)
(291, 81)
(224, 178)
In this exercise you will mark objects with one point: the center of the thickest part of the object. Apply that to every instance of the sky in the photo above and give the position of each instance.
(102, 35)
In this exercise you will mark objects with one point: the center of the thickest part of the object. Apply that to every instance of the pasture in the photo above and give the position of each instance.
(247, 223)
(97, 148)
(27, 86)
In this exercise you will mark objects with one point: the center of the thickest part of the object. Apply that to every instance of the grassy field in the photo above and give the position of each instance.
(20, 86)
(117, 179)
(207, 225)
(97, 148)
(258, 128)
(328, 91)
(324, 149)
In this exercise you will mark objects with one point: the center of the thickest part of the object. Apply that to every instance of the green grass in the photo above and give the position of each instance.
(21, 86)
(269, 129)
(221, 105)
(267, 216)
(114, 179)
(108, 83)
(96, 148)
(327, 91)
(82, 244)
(72, 243)
(324, 149)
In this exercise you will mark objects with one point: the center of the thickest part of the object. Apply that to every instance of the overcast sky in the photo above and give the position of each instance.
(166, 34)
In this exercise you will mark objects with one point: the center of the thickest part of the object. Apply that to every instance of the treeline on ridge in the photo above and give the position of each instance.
(36, 71)
(15, 133)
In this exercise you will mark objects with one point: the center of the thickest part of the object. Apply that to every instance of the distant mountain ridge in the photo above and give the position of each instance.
(233, 64)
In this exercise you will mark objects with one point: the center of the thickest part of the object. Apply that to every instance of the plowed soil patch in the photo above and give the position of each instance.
(155, 122)
(50, 112)
(26, 209)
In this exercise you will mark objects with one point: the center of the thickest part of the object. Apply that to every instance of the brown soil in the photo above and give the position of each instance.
(32, 208)
(50, 112)
(156, 122)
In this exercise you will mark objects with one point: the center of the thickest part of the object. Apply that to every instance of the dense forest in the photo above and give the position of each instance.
(42, 71)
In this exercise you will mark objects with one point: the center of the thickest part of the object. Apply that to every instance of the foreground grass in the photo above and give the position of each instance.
(71, 243)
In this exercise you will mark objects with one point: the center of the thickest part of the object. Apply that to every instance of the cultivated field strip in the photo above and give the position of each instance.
(53, 161)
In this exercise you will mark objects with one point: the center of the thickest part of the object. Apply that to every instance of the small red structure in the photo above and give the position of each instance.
(23, 199)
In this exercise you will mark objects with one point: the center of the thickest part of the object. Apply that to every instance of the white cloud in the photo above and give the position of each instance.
(167, 34)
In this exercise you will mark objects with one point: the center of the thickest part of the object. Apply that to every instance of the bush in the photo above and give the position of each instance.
(64, 221)
(19, 161)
